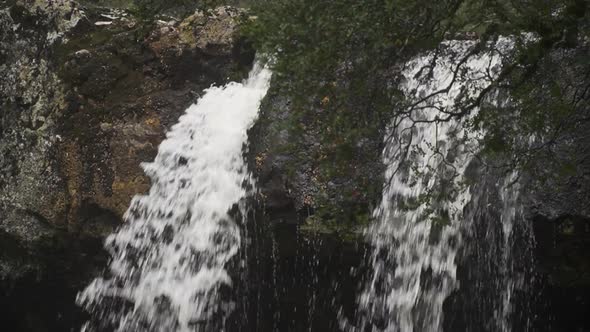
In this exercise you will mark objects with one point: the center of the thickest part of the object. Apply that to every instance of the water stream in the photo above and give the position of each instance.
(168, 266)
(420, 224)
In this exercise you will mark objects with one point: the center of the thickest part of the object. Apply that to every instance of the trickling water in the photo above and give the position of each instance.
(509, 197)
(168, 263)
(415, 238)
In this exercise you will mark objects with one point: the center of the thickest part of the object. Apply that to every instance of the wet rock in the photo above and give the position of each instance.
(291, 169)
(31, 98)
(82, 54)
(126, 94)
(562, 245)
(26, 226)
(60, 15)
(84, 105)
(559, 207)
(213, 32)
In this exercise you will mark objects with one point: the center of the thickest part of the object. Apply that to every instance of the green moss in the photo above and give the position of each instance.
(350, 232)
(120, 4)
(337, 60)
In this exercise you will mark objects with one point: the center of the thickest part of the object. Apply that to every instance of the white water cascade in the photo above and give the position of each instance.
(415, 242)
(169, 259)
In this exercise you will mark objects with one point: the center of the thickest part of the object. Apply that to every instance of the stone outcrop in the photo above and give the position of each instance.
(87, 95)
(212, 32)
(560, 212)
(293, 171)
(31, 99)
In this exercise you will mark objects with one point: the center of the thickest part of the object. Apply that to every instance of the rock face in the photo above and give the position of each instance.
(297, 182)
(560, 212)
(87, 96)
(560, 184)
(32, 98)
(211, 32)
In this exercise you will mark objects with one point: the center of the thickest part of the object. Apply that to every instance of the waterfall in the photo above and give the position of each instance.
(510, 210)
(417, 235)
(169, 260)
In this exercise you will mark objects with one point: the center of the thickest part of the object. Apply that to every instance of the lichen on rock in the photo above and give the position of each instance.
(84, 105)
(64, 14)
(213, 31)
(31, 98)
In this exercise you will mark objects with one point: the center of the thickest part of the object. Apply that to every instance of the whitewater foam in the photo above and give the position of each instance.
(169, 260)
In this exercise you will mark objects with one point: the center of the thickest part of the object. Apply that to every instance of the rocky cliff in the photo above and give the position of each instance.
(88, 93)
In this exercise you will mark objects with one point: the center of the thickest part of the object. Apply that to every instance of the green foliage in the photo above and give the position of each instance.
(338, 59)
(334, 60)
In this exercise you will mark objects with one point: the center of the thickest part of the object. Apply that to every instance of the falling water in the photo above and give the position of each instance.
(510, 210)
(416, 238)
(169, 261)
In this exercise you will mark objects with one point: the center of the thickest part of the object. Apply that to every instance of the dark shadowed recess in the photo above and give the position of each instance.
(285, 279)
(38, 285)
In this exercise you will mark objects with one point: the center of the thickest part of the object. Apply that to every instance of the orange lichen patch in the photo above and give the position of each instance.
(152, 122)
(71, 160)
(111, 193)
(165, 38)
(308, 200)
(137, 185)
(259, 160)
(119, 185)
(122, 193)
